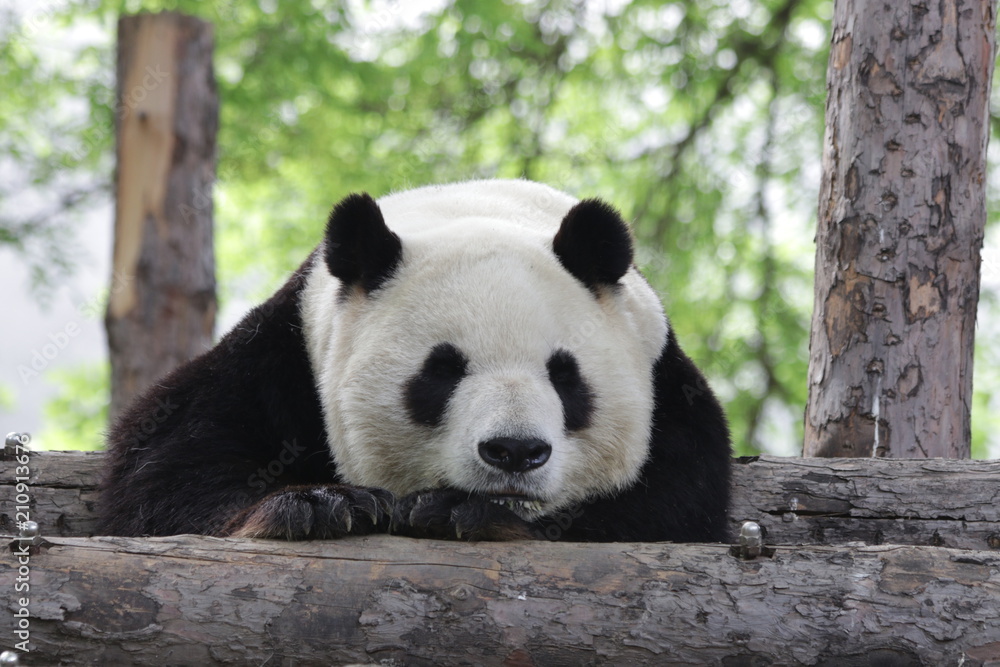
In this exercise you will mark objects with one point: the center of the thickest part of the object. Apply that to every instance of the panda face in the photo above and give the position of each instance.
(429, 392)
(479, 362)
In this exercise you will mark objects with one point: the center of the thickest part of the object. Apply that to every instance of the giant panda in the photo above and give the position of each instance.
(476, 361)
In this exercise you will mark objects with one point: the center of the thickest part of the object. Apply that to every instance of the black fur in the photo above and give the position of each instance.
(360, 248)
(449, 514)
(427, 392)
(577, 398)
(594, 244)
(682, 494)
(220, 432)
(233, 442)
(323, 512)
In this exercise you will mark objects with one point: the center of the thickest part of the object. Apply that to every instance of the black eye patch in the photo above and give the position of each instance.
(427, 393)
(577, 398)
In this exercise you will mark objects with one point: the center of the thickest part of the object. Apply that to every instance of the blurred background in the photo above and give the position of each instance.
(701, 121)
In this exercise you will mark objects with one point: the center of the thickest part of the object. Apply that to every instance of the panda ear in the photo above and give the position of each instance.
(594, 243)
(360, 248)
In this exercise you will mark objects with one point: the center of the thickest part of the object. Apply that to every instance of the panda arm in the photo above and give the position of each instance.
(682, 493)
(206, 441)
(214, 446)
(452, 514)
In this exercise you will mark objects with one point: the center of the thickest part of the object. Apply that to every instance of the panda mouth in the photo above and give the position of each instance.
(521, 505)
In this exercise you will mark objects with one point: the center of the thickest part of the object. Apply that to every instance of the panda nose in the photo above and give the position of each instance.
(515, 455)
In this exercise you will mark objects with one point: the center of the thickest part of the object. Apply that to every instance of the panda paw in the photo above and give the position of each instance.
(314, 512)
(449, 514)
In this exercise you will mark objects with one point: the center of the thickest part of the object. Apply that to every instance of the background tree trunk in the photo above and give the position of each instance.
(901, 219)
(161, 310)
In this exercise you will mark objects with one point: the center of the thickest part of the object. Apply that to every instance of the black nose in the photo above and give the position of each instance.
(515, 455)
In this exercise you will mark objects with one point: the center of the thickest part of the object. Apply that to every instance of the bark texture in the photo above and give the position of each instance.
(901, 219)
(953, 503)
(161, 309)
(797, 501)
(62, 488)
(206, 601)
(196, 600)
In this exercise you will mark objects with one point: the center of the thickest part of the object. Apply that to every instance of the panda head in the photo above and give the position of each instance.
(489, 336)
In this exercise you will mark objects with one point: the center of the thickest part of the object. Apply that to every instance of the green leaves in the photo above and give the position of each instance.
(701, 121)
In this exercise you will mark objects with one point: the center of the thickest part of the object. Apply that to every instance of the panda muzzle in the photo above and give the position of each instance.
(518, 504)
(515, 455)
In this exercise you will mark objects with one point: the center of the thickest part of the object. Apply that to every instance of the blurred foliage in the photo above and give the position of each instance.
(55, 139)
(701, 121)
(8, 399)
(76, 417)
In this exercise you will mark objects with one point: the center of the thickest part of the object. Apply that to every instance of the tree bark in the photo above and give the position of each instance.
(796, 501)
(161, 308)
(200, 600)
(901, 219)
(203, 601)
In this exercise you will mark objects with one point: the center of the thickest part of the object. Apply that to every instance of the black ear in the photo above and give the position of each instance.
(594, 243)
(360, 249)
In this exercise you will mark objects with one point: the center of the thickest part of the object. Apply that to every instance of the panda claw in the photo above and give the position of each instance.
(322, 512)
(379, 506)
(341, 513)
(458, 515)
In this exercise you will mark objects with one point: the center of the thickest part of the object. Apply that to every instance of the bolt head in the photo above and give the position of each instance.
(750, 530)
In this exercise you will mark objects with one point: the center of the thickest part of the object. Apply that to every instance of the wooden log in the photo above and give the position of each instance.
(203, 601)
(161, 309)
(62, 491)
(936, 502)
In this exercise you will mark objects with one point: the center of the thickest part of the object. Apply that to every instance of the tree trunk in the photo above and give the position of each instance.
(190, 600)
(901, 219)
(161, 309)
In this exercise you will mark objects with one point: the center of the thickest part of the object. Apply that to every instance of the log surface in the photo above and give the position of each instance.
(197, 600)
(190, 600)
(935, 502)
(62, 491)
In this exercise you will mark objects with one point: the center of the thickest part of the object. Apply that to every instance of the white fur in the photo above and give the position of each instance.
(478, 271)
